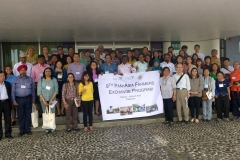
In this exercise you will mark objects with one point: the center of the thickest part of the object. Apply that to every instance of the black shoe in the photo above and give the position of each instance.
(76, 129)
(69, 130)
(10, 137)
(187, 122)
(29, 133)
(21, 134)
(179, 122)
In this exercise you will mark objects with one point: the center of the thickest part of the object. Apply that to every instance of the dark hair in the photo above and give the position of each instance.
(197, 45)
(141, 54)
(41, 56)
(145, 47)
(136, 50)
(6, 68)
(90, 69)
(54, 55)
(226, 59)
(166, 55)
(193, 59)
(45, 47)
(218, 69)
(220, 72)
(207, 57)
(73, 77)
(213, 50)
(194, 55)
(107, 55)
(190, 75)
(170, 47)
(70, 47)
(113, 52)
(1, 72)
(124, 56)
(70, 58)
(75, 54)
(55, 66)
(59, 47)
(165, 69)
(199, 60)
(184, 47)
(84, 74)
(147, 56)
(208, 71)
(44, 75)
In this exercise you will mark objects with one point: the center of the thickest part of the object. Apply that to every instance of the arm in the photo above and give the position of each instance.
(64, 93)
(80, 88)
(229, 95)
(55, 91)
(174, 89)
(188, 85)
(65, 76)
(115, 69)
(33, 90)
(213, 87)
(33, 75)
(13, 90)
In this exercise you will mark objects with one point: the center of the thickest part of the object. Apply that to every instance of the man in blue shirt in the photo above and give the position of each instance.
(108, 67)
(23, 96)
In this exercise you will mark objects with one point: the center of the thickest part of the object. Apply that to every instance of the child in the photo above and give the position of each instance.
(156, 65)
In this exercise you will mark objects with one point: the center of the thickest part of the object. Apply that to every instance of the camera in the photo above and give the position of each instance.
(236, 82)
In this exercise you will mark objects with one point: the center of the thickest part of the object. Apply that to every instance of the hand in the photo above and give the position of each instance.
(50, 102)
(101, 73)
(33, 102)
(45, 103)
(136, 67)
(229, 97)
(174, 98)
(15, 104)
(188, 95)
(78, 103)
(84, 90)
(66, 106)
(115, 73)
(160, 71)
(121, 74)
(216, 96)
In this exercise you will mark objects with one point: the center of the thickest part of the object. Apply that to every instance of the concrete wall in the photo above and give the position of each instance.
(232, 49)
(206, 46)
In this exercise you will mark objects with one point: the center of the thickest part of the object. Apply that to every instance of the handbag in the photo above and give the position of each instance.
(48, 119)
(34, 116)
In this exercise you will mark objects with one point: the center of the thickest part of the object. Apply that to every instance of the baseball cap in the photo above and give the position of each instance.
(22, 55)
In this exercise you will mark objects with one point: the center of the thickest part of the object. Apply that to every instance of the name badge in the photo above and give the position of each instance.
(106, 72)
(220, 85)
(77, 72)
(233, 77)
(59, 76)
(206, 86)
(48, 87)
(23, 86)
(41, 75)
(95, 80)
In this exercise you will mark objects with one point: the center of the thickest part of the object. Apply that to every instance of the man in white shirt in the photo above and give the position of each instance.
(101, 49)
(197, 51)
(226, 69)
(23, 60)
(183, 88)
(141, 65)
(168, 64)
(125, 67)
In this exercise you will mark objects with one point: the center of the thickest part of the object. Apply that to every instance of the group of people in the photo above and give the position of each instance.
(188, 80)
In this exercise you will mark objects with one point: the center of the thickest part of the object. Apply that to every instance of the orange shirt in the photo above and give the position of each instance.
(234, 76)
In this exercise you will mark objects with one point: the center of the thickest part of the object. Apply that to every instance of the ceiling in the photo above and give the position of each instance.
(118, 20)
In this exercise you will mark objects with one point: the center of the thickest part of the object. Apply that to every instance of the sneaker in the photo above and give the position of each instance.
(219, 119)
(235, 118)
(226, 119)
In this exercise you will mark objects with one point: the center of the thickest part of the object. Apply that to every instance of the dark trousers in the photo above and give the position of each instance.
(5, 108)
(168, 109)
(235, 98)
(194, 102)
(72, 110)
(24, 110)
(222, 104)
(87, 111)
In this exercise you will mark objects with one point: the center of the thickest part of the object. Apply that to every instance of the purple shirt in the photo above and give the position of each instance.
(22, 87)
(77, 70)
(95, 76)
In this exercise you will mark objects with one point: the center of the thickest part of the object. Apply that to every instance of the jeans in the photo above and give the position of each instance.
(207, 109)
(168, 109)
(194, 102)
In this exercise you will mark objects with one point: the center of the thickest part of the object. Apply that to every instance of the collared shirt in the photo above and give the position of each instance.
(37, 71)
(29, 66)
(99, 62)
(201, 55)
(216, 60)
(184, 82)
(3, 92)
(108, 68)
(69, 92)
(125, 68)
(234, 76)
(142, 67)
(10, 78)
(22, 87)
(77, 70)
(228, 70)
(209, 83)
(47, 88)
(102, 56)
(168, 85)
(170, 65)
(32, 60)
(221, 87)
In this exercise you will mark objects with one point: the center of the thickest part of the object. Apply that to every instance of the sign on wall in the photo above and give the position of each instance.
(130, 96)
(176, 45)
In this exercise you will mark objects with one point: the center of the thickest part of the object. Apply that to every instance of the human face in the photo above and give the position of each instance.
(113, 55)
(93, 66)
(156, 64)
(170, 50)
(8, 70)
(194, 72)
(214, 53)
(145, 51)
(156, 54)
(189, 60)
(2, 77)
(117, 52)
(69, 60)
(82, 55)
(41, 60)
(30, 52)
(87, 54)
(60, 50)
(236, 66)
(220, 77)
(23, 72)
(179, 68)
(185, 50)
(136, 53)
(206, 73)
(70, 51)
(195, 57)
(108, 59)
(141, 58)
(226, 63)
(48, 73)
(179, 60)
(97, 54)
(70, 78)
(86, 77)
(199, 63)
(100, 48)
(45, 50)
(59, 65)
(148, 59)
(181, 53)
(23, 59)
(166, 72)
(196, 48)
(54, 59)
(166, 58)
(214, 67)
(129, 54)
(124, 60)
(208, 60)
(76, 58)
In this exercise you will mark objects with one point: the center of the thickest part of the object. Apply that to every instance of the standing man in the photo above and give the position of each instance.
(226, 69)
(108, 67)
(23, 96)
(70, 51)
(76, 68)
(37, 73)
(141, 65)
(101, 49)
(185, 48)
(168, 64)
(183, 88)
(235, 88)
(197, 51)
(98, 59)
(53, 61)
(125, 67)
(145, 51)
(5, 106)
(136, 53)
(171, 49)
(61, 57)
(23, 61)
(214, 58)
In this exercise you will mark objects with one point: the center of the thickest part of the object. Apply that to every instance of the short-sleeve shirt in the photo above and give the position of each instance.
(221, 87)
(234, 76)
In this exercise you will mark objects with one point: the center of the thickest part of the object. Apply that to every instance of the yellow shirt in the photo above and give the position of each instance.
(32, 59)
(132, 61)
(88, 95)
(216, 60)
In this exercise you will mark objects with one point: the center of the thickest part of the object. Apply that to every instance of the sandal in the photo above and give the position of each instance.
(167, 122)
(192, 120)
(85, 129)
(196, 121)
(91, 129)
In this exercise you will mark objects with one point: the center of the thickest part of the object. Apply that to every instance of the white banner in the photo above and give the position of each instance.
(130, 96)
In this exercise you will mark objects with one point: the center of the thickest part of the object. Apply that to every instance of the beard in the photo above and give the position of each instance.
(23, 75)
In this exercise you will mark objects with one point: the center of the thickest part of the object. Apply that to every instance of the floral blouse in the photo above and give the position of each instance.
(168, 85)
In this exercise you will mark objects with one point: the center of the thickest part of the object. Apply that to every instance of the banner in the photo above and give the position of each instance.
(130, 96)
